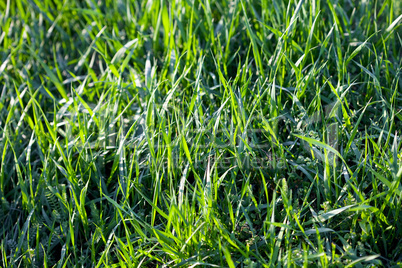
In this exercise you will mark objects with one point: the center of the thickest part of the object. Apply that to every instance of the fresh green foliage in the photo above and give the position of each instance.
(200, 133)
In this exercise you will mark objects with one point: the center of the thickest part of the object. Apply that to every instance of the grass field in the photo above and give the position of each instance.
(203, 133)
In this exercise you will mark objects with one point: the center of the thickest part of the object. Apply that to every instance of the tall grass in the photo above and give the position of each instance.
(200, 133)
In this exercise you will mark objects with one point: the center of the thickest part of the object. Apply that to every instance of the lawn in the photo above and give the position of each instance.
(207, 133)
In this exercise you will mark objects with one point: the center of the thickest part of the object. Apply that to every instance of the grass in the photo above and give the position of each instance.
(200, 133)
